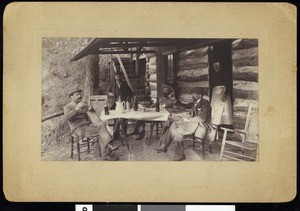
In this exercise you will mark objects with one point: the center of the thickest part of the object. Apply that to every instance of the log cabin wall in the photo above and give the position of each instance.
(152, 70)
(192, 73)
(245, 78)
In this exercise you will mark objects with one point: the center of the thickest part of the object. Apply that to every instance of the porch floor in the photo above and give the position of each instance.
(141, 151)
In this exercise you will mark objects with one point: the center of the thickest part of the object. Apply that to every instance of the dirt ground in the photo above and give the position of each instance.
(141, 151)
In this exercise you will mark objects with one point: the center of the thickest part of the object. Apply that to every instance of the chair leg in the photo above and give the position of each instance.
(78, 148)
(257, 154)
(203, 149)
(72, 146)
(88, 146)
(157, 123)
(223, 145)
(99, 147)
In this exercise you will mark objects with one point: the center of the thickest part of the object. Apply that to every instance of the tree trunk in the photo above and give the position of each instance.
(92, 76)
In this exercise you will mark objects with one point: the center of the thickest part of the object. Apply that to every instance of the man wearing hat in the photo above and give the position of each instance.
(120, 89)
(81, 126)
(200, 113)
(166, 101)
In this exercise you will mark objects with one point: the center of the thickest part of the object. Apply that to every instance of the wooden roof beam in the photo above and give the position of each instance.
(131, 45)
(125, 52)
(199, 45)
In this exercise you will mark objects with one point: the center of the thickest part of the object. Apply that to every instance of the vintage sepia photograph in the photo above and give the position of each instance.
(149, 102)
(149, 99)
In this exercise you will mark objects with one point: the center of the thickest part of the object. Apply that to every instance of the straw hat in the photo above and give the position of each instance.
(167, 86)
(74, 90)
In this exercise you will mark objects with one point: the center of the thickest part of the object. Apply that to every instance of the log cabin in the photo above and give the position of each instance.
(186, 65)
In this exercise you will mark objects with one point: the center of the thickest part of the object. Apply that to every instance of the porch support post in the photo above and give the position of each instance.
(160, 71)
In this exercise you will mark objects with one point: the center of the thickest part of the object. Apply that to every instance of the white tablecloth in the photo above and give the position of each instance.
(148, 115)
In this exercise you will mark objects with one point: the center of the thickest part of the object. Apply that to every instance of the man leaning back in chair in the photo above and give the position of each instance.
(200, 113)
(81, 126)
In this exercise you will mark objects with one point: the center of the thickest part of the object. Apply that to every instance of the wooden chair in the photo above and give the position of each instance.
(199, 144)
(159, 128)
(245, 149)
(82, 143)
(98, 102)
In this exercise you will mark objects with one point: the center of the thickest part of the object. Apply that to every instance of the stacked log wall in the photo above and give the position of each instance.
(192, 73)
(151, 69)
(245, 78)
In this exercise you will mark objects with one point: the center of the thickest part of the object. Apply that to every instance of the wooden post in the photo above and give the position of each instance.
(137, 65)
(175, 70)
(160, 71)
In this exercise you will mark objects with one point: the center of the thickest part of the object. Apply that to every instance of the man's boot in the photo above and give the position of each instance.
(111, 147)
(161, 148)
(106, 152)
(110, 157)
(179, 152)
(179, 157)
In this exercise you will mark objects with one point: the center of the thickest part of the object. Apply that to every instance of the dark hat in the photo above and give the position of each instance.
(74, 90)
(167, 86)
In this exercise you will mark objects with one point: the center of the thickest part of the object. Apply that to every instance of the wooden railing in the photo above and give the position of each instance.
(51, 116)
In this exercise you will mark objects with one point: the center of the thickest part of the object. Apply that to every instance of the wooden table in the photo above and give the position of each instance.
(149, 115)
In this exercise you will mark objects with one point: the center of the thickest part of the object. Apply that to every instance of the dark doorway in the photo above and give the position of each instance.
(142, 68)
(220, 66)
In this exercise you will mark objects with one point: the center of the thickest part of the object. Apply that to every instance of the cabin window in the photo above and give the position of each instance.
(169, 68)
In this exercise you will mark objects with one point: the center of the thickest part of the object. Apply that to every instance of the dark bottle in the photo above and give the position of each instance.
(157, 106)
(106, 112)
(135, 104)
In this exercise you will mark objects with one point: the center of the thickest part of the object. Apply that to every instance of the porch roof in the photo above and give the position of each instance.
(138, 45)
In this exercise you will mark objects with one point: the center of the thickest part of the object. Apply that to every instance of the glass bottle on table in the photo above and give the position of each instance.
(157, 106)
(135, 104)
(128, 105)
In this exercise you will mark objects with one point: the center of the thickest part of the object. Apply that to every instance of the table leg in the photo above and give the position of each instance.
(151, 130)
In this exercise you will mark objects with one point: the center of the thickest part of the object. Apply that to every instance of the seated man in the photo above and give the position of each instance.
(166, 100)
(81, 126)
(199, 113)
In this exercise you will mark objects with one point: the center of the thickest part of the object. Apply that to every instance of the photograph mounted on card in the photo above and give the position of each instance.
(113, 107)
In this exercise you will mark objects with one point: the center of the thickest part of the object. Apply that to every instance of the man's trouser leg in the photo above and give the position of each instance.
(104, 138)
(179, 151)
(178, 131)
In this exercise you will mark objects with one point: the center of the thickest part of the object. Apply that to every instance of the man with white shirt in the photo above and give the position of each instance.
(200, 112)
